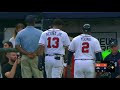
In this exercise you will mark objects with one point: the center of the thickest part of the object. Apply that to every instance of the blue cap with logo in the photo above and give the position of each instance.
(113, 43)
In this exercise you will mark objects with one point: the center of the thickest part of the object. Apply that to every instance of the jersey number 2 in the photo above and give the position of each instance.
(56, 39)
(85, 47)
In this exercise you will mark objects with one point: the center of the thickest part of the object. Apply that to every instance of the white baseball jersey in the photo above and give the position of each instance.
(85, 46)
(54, 40)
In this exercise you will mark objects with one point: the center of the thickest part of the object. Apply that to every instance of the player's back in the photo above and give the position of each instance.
(55, 39)
(85, 46)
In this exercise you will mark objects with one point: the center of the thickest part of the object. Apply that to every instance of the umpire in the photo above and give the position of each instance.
(115, 56)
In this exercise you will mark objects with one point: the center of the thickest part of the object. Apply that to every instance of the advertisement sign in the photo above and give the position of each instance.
(104, 38)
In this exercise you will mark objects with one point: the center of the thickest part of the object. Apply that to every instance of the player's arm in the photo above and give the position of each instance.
(66, 43)
(71, 50)
(37, 50)
(41, 44)
(70, 54)
(66, 54)
(99, 56)
(40, 54)
(98, 51)
(40, 51)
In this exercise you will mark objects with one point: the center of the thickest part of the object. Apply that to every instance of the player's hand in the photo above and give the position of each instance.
(40, 66)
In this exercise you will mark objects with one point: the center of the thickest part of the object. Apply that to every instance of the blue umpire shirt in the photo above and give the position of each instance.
(115, 58)
(28, 38)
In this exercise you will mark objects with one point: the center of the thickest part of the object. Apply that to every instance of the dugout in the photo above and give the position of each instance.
(105, 25)
(8, 21)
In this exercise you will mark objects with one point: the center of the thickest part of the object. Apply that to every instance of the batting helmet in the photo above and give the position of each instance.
(86, 28)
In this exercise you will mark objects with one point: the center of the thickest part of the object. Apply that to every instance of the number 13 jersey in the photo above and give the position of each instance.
(85, 46)
(54, 41)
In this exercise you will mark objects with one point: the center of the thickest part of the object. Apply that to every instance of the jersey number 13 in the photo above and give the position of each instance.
(55, 45)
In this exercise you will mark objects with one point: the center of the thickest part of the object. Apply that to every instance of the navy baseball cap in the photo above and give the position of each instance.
(30, 18)
(113, 43)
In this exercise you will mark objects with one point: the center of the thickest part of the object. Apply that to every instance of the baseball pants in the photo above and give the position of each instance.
(53, 67)
(84, 69)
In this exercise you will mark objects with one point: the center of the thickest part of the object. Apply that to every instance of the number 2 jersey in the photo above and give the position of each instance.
(85, 46)
(54, 41)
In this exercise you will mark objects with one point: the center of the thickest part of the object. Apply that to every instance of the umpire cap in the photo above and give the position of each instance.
(113, 43)
(30, 19)
(86, 28)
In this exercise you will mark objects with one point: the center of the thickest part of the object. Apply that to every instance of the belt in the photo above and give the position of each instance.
(84, 59)
(48, 55)
(53, 55)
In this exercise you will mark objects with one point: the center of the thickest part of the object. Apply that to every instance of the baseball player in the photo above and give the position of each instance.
(54, 42)
(86, 50)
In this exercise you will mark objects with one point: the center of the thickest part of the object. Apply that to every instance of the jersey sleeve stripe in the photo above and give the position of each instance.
(98, 51)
